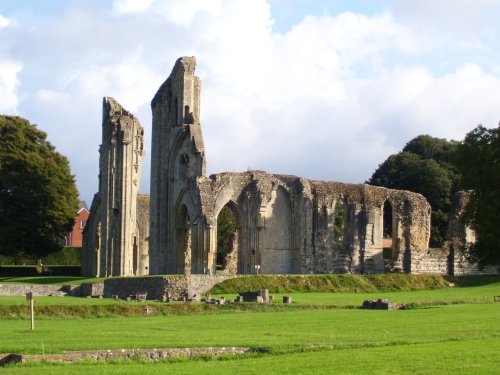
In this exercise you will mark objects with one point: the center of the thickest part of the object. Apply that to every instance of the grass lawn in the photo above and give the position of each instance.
(456, 331)
(458, 357)
(275, 330)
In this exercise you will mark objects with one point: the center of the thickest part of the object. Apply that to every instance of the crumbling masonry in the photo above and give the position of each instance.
(284, 224)
(115, 238)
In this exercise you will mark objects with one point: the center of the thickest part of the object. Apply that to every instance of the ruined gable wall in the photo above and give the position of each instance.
(110, 238)
(177, 158)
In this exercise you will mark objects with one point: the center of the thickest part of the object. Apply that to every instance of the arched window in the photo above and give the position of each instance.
(339, 221)
(387, 230)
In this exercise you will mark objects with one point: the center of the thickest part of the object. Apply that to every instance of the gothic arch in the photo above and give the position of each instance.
(182, 230)
(234, 255)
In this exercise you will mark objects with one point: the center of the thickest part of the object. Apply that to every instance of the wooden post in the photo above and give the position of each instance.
(29, 297)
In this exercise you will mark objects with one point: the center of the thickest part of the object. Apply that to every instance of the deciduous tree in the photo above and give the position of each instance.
(478, 160)
(38, 196)
(424, 166)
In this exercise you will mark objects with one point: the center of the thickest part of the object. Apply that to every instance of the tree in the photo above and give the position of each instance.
(478, 160)
(424, 166)
(38, 196)
(226, 228)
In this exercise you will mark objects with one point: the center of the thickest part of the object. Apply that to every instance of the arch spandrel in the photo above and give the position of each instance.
(276, 251)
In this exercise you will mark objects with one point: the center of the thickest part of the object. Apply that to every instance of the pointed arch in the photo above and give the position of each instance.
(229, 239)
(180, 260)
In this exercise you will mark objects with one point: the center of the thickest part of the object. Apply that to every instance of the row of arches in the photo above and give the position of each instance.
(240, 245)
(236, 248)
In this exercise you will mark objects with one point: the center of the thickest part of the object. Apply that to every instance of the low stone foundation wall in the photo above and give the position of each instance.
(442, 262)
(91, 289)
(106, 355)
(435, 261)
(200, 284)
(158, 287)
(154, 286)
(38, 290)
(382, 304)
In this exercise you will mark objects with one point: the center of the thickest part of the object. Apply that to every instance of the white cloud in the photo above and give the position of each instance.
(182, 12)
(9, 82)
(329, 99)
(131, 6)
(6, 22)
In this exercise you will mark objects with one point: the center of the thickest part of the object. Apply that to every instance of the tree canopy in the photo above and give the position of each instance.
(478, 160)
(424, 166)
(38, 196)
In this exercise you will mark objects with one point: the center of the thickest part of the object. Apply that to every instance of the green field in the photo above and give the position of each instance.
(448, 330)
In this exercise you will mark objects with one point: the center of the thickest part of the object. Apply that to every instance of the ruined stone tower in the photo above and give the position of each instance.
(113, 246)
(177, 160)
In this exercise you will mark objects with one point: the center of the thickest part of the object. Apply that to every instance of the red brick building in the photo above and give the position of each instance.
(74, 238)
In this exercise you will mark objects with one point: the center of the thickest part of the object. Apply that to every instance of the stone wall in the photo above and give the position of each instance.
(91, 289)
(443, 261)
(110, 355)
(200, 284)
(38, 290)
(155, 287)
(435, 261)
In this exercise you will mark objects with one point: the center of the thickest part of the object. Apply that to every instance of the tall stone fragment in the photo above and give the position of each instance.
(111, 239)
(178, 158)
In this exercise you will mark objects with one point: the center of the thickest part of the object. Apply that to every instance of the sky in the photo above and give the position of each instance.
(320, 89)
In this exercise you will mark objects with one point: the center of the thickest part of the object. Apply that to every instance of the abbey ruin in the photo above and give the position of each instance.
(284, 224)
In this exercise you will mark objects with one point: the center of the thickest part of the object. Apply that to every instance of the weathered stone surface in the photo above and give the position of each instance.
(39, 290)
(173, 288)
(260, 296)
(111, 240)
(178, 157)
(91, 289)
(52, 290)
(456, 227)
(106, 355)
(10, 358)
(382, 305)
(285, 224)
